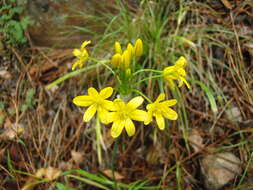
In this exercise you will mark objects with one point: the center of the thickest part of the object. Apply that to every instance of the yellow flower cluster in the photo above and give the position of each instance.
(81, 54)
(176, 72)
(122, 114)
(122, 59)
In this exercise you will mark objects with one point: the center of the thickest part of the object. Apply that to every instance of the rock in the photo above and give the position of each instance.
(219, 169)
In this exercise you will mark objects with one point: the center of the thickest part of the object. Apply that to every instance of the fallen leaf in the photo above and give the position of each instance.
(5, 74)
(109, 173)
(227, 4)
(49, 173)
(77, 157)
(11, 130)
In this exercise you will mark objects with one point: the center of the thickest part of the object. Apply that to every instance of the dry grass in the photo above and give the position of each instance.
(220, 58)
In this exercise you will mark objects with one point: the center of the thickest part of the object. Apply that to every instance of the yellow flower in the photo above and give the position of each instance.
(117, 47)
(97, 103)
(122, 59)
(138, 48)
(176, 72)
(161, 110)
(116, 60)
(81, 54)
(124, 114)
(130, 49)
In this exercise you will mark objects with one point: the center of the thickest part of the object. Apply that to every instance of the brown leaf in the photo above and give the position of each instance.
(11, 130)
(109, 174)
(227, 4)
(77, 157)
(5, 74)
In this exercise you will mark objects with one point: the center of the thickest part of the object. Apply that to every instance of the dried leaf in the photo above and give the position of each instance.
(5, 74)
(49, 173)
(11, 130)
(77, 157)
(227, 4)
(109, 174)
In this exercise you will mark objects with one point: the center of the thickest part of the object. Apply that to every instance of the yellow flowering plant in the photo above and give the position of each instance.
(123, 106)
(122, 112)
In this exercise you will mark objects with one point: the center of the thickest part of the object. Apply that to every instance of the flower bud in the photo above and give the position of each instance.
(125, 60)
(128, 72)
(116, 60)
(138, 48)
(117, 47)
(130, 49)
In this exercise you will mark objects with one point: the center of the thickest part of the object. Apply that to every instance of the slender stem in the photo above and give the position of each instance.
(114, 155)
(71, 74)
(146, 70)
(144, 96)
(98, 139)
(151, 77)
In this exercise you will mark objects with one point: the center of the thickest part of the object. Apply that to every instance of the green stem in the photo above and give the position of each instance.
(146, 70)
(114, 155)
(71, 74)
(87, 181)
(98, 140)
(148, 78)
(144, 96)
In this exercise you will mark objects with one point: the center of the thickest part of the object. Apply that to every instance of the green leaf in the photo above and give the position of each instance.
(209, 95)
(60, 186)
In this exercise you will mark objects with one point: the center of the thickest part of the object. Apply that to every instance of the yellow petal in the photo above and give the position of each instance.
(125, 60)
(169, 113)
(130, 49)
(76, 64)
(160, 98)
(135, 102)
(108, 105)
(92, 92)
(117, 128)
(185, 81)
(181, 62)
(90, 112)
(169, 102)
(103, 115)
(117, 47)
(149, 118)
(180, 83)
(84, 44)
(168, 70)
(171, 84)
(119, 104)
(111, 117)
(160, 121)
(76, 52)
(139, 115)
(181, 72)
(116, 60)
(130, 128)
(150, 106)
(83, 101)
(84, 54)
(138, 48)
(106, 92)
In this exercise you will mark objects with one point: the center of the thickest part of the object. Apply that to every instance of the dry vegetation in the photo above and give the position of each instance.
(42, 127)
